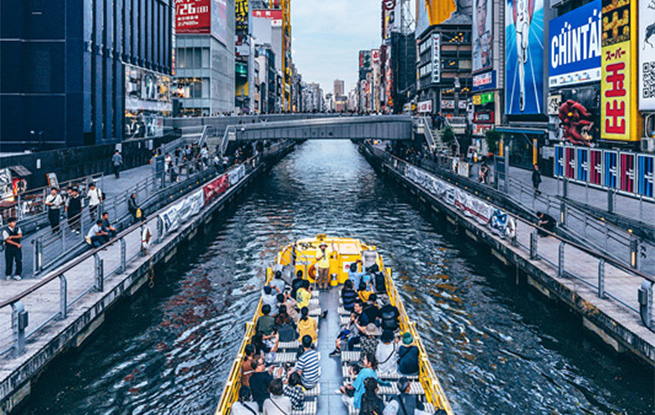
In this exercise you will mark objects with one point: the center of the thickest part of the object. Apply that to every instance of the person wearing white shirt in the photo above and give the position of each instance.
(95, 198)
(244, 406)
(54, 202)
(96, 236)
(277, 404)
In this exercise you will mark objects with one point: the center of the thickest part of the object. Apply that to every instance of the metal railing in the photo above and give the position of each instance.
(577, 267)
(89, 271)
(30, 205)
(51, 248)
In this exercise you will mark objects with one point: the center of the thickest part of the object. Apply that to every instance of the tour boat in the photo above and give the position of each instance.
(323, 398)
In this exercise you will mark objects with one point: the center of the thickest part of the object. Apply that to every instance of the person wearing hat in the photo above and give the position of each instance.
(323, 265)
(369, 341)
(408, 356)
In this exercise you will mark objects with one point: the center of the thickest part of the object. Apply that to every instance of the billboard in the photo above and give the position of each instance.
(390, 19)
(646, 42)
(219, 20)
(575, 40)
(274, 15)
(578, 114)
(192, 16)
(242, 18)
(617, 71)
(422, 20)
(524, 54)
(482, 35)
(436, 58)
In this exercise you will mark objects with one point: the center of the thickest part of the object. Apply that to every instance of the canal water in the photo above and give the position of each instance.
(498, 348)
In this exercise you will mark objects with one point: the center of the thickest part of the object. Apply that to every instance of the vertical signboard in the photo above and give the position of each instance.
(219, 20)
(524, 54)
(575, 40)
(646, 47)
(646, 174)
(569, 162)
(627, 172)
(241, 17)
(436, 58)
(390, 19)
(582, 164)
(482, 35)
(559, 161)
(618, 110)
(596, 167)
(611, 169)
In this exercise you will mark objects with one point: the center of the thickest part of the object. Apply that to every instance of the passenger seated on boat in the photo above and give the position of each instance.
(259, 381)
(372, 404)
(307, 326)
(348, 296)
(286, 328)
(269, 298)
(296, 283)
(303, 295)
(246, 365)
(244, 406)
(354, 398)
(354, 275)
(307, 364)
(386, 354)
(389, 315)
(277, 403)
(277, 283)
(265, 345)
(292, 307)
(404, 403)
(294, 391)
(364, 291)
(371, 309)
(350, 333)
(408, 356)
(265, 323)
(369, 341)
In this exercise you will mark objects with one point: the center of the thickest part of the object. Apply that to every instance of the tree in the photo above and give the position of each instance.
(448, 135)
(492, 137)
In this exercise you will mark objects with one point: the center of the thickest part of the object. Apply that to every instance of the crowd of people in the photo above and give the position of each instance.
(279, 388)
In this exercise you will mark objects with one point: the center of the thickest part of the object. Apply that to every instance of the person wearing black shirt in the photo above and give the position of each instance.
(259, 382)
(296, 283)
(546, 222)
(371, 309)
(348, 296)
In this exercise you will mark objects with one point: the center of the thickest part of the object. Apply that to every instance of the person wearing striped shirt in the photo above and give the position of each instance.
(307, 364)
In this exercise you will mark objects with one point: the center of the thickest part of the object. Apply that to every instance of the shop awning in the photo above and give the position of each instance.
(521, 130)
(20, 170)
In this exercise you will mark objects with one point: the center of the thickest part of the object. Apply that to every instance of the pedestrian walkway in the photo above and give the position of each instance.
(115, 190)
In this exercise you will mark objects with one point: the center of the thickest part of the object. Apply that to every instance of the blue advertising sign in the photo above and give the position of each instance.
(611, 169)
(484, 81)
(646, 171)
(575, 40)
(524, 54)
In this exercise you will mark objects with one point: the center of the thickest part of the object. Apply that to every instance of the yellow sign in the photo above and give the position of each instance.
(477, 100)
(616, 97)
(440, 10)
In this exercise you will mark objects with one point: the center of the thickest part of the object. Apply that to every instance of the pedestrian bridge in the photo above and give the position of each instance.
(382, 127)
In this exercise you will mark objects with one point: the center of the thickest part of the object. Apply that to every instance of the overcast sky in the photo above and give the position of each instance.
(327, 37)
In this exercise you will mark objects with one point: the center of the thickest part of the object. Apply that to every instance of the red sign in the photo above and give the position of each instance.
(214, 188)
(375, 55)
(275, 16)
(424, 106)
(192, 16)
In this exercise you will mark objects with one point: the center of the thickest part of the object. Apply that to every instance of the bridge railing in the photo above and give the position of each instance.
(27, 313)
(569, 259)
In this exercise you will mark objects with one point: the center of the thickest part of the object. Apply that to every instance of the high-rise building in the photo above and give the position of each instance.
(204, 60)
(83, 72)
(338, 87)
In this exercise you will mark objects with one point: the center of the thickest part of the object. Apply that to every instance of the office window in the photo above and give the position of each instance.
(205, 57)
(180, 59)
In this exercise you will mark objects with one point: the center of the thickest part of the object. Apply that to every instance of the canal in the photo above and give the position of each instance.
(498, 348)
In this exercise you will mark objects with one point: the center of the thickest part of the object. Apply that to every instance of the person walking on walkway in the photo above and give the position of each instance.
(95, 198)
(13, 254)
(133, 208)
(117, 162)
(54, 202)
(74, 210)
(536, 179)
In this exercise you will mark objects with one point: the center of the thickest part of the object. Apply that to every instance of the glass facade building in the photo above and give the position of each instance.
(83, 72)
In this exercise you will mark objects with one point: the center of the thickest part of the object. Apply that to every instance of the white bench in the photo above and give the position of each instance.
(345, 372)
(350, 356)
(310, 408)
(315, 391)
(429, 408)
(415, 388)
(289, 345)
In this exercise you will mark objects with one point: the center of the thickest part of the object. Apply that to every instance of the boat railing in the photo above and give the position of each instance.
(433, 391)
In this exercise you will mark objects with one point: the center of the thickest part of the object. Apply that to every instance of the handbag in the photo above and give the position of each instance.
(138, 213)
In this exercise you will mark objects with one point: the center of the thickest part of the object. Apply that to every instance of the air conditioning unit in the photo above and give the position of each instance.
(648, 144)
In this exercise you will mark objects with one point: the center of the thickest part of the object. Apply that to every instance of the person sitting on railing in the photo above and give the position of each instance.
(408, 356)
(96, 236)
(244, 406)
(107, 227)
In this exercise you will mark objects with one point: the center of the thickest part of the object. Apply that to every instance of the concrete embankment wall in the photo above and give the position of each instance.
(90, 314)
(615, 325)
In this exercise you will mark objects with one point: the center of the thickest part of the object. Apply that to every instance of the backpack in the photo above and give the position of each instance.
(389, 316)
(380, 283)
